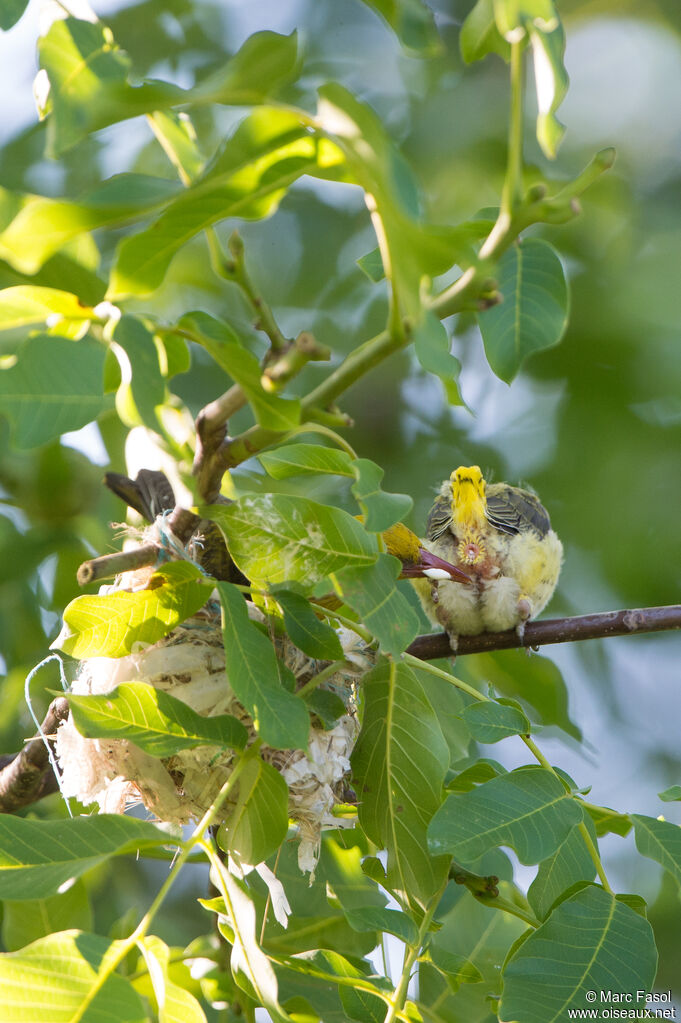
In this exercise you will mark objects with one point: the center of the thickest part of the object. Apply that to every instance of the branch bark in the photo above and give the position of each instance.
(554, 630)
(27, 776)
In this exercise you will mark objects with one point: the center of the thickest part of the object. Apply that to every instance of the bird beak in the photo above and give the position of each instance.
(432, 567)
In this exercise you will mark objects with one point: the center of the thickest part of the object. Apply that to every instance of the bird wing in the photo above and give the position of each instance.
(510, 510)
(439, 518)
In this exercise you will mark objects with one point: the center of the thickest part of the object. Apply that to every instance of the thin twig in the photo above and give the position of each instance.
(554, 630)
(110, 565)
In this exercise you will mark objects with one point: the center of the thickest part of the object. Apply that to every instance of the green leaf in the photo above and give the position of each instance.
(10, 13)
(670, 795)
(42, 226)
(142, 387)
(480, 35)
(457, 968)
(480, 770)
(157, 722)
(177, 136)
(432, 347)
(277, 538)
(89, 88)
(32, 919)
(111, 625)
(175, 1004)
(490, 722)
(54, 386)
(26, 305)
(258, 824)
(534, 311)
(570, 864)
(376, 918)
(412, 22)
(659, 841)
(218, 338)
(269, 150)
(372, 592)
(409, 248)
(527, 809)
(399, 762)
(38, 857)
(313, 637)
(256, 676)
(609, 821)
(551, 81)
(590, 943)
(372, 265)
(305, 459)
(59, 978)
(380, 510)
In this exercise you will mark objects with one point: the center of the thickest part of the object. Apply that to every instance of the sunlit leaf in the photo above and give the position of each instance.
(277, 538)
(372, 592)
(257, 825)
(258, 678)
(157, 722)
(38, 857)
(111, 625)
(399, 763)
(26, 305)
(42, 225)
(527, 809)
(55, 385)
(590, 943)
(533, 313)
(175, 1004)
(60, 978)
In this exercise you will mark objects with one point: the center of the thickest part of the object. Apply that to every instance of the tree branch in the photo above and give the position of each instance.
(27, 776)
(554, 630)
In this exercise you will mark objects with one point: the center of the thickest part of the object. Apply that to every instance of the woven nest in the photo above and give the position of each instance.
(190, 665)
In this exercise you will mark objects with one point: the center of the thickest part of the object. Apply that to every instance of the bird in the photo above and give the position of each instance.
(501, 537)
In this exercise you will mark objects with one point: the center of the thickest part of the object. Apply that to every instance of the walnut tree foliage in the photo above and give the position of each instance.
(129, 300)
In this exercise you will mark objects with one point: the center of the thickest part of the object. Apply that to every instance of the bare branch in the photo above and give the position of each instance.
(554, 630)
(27, 776)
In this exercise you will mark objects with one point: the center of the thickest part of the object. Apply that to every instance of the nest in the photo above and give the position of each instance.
(190, 665)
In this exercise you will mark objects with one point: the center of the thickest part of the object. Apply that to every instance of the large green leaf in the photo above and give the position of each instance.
(269, 150)
(26, 305)
(55, 385)
(111, 625)
(277, 538)
(399, 763)
(527, 809)
(412, 22)
(28, 920)
(659, 841)
(258, 823)
(42, 225)
(260, 682)
(58, 978)
(38, 857)
(88, 76)
(157, 722)
(570, 863)
(142, 387)
(534, 312)
(490, 722)
(217, 337)
(372, 592)
(591, 943)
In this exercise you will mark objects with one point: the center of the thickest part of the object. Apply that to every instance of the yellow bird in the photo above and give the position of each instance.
(501, 537)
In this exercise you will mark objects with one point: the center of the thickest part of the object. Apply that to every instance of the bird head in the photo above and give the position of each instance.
(469, 504)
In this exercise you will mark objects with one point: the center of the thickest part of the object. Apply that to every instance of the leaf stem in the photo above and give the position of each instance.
(415, 662)
(511, 195)
(411, 954)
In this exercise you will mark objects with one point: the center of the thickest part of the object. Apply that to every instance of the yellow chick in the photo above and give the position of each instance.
(501, 537)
